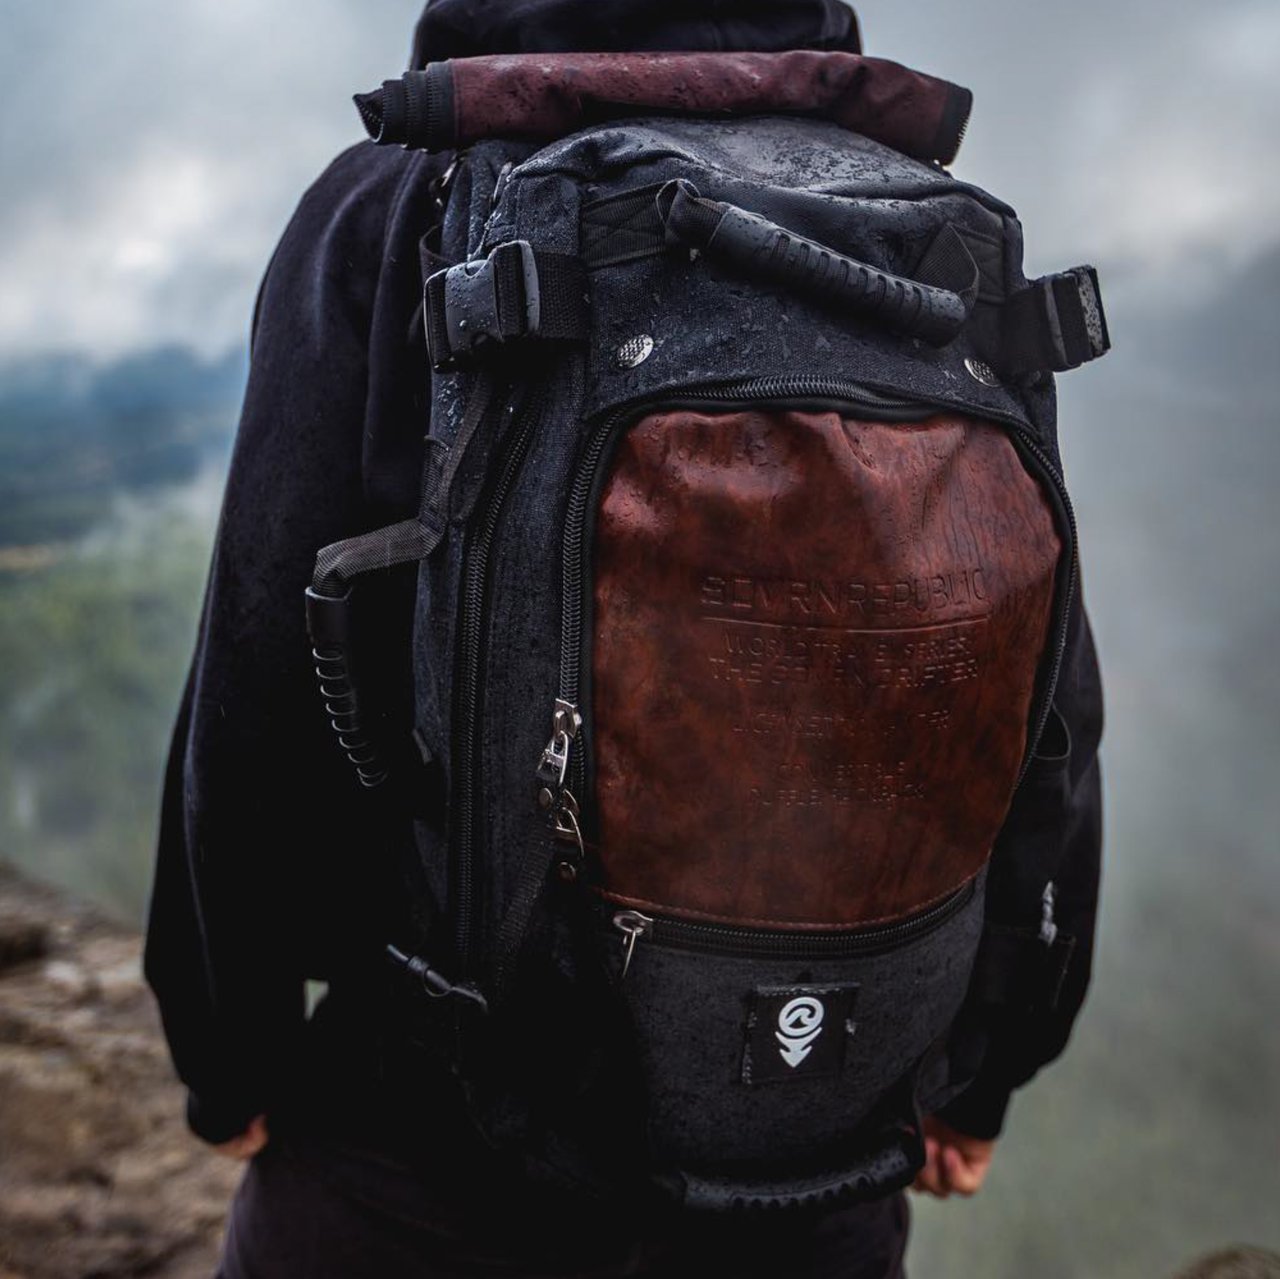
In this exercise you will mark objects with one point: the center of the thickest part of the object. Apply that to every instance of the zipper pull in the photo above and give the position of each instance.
(632, 925)
(553, 767)
(554, 796)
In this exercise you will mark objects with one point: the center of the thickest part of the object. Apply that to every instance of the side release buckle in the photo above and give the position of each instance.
(487, 300)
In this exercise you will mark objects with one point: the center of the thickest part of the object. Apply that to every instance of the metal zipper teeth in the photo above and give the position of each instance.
(574, 552)
(571, 577)
(722, 939)
(764, 389)
(471, 654)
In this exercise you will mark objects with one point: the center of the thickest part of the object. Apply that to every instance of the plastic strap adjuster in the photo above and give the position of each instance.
(1056, 323)
(487, 300)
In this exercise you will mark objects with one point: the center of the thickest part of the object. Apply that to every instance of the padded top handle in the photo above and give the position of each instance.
(763, 251)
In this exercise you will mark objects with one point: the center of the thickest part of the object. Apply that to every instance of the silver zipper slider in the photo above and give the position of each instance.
(553, 767)
(632, 925)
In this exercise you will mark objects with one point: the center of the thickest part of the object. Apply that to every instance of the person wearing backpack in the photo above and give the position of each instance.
(695, 824)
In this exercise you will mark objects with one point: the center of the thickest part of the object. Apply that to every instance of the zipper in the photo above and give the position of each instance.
(473, 627)
(757, 943)
(562, 797)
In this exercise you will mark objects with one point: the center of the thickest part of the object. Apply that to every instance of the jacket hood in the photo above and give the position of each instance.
(468, 28)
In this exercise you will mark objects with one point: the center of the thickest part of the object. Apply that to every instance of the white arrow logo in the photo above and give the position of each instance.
(799, 1024)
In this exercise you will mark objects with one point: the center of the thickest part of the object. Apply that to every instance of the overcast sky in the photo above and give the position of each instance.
(152, 152)
(150, 155)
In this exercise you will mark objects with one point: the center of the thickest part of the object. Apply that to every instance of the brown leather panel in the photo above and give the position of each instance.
(815, 642)
(549, 95)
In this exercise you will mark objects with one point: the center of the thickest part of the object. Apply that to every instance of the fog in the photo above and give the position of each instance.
(1134, 135)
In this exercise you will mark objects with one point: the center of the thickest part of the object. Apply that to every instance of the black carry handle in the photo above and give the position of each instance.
(331, 609)
(891, 1163)
(764, 251)
(331, 628)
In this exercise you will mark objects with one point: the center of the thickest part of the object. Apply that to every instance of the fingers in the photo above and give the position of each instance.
(962, 1177)
(258, 1132)
(949, 1171)
(249, 1143)
(929, 1179)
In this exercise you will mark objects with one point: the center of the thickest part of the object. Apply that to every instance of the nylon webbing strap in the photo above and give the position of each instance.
(443, 464)
(623, 228)
(383, 548)
(948, 263)
(564, 309)
(516, 293)
(1055, 323)
(517, 919)
(433, 319)
(416, 538)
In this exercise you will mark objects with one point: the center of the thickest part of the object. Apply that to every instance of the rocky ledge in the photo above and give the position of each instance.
(98, 1174)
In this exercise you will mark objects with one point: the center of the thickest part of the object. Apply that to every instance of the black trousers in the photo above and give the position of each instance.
(315, 1209)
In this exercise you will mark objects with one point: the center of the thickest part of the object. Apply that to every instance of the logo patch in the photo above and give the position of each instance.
(799, 1024)
(797, 1032)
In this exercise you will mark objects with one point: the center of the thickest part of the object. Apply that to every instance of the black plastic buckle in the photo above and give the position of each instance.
(478, 305)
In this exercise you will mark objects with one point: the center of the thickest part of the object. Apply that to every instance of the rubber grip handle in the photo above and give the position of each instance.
(330, 629)
(770, 254)
(889, 1166)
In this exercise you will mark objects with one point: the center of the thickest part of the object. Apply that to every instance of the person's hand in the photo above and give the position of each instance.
(954, 1163)
(248, 1143)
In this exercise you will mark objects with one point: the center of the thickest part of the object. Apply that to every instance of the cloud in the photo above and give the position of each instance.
(1130, 132)
(1170, 157)
(153, 152)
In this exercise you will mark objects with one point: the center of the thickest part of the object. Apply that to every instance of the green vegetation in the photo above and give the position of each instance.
(93, 652)
(108, 482)
(73, 437)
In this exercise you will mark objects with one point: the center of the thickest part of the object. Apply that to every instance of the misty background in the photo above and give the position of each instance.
(150, 156)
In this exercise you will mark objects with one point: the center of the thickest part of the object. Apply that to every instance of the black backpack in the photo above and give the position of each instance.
(745, 562)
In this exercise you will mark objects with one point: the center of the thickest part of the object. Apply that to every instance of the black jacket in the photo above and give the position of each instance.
(273, 866)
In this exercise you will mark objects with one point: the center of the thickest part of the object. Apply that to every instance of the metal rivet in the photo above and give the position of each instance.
(981, 371)
(566, 872)
(633, 351)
